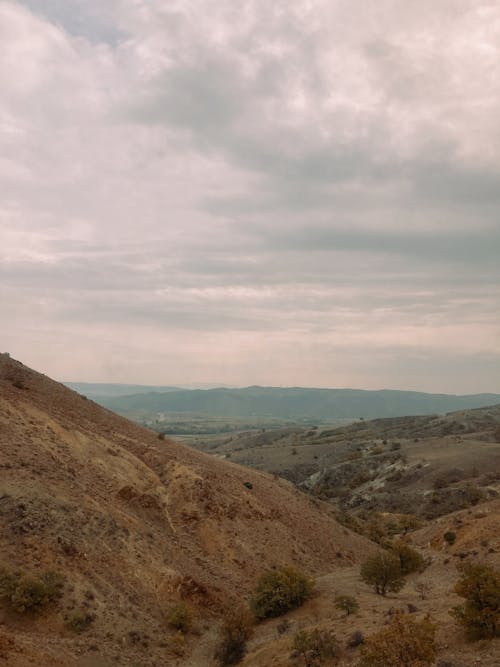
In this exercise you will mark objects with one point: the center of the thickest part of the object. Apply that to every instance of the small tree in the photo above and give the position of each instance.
(383, 572)
(423, 588)
(480, 615)
(315, 646)
(279, 591)
(409, 559)
(406, 642)
(347, 603)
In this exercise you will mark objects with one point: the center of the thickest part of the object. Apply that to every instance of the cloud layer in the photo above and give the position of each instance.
(242, 193)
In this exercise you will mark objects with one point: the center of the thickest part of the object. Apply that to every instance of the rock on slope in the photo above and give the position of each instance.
(135, 524)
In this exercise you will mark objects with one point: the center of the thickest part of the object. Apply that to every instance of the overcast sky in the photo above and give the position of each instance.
(299, 192)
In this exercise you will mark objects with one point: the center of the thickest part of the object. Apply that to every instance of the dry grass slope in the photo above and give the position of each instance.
(136, 524)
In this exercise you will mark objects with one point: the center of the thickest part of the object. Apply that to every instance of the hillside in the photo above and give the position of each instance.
(135, 523)
(293, 402)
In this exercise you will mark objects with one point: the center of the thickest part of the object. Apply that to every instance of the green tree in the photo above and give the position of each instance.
(280, 590)
(383, 572)
(409, 559)
(480, 614)
(315, 646)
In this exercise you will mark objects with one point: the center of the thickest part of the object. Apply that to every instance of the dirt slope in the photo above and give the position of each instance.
(135, 524)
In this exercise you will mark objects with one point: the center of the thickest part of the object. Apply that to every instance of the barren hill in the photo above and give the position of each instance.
(135, 524)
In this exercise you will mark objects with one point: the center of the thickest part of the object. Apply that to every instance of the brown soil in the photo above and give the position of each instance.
(135, 524)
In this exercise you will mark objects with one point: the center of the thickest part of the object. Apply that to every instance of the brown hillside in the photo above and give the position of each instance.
(135, 524)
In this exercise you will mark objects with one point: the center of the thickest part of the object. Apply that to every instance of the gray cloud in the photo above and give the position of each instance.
(301, 194)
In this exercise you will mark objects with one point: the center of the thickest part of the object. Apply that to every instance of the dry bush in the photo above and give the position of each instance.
(406, 642)
(180, 617)
(235, 632)
(356, 639)
(423, 588)
(80, 621)
(480, 614)
(313, 647)
(347, 603)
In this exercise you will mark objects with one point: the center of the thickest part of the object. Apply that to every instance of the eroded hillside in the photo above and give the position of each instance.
(428, 465)
(135, 523)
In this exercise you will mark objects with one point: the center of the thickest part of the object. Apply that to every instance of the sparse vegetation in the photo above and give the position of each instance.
(356, 639)
(480, 614)
(180, 617)
(26, 592)
(383, 572)
(347, 603)
(406, 642)
(423, 588)
(178, 644)
(236, 631)
(313, 647)
(80, 621)
(279, 591)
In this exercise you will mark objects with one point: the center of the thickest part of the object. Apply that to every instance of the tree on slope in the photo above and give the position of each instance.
(383, 572)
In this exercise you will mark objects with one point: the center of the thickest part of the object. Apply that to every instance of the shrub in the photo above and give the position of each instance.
(404, 524)
(409, 559)
(178, 644)
(279, 591)
(356, 639)
(80, 621)
(383, 572)
(406, 642)
(423, 588)
(283, 626)
(450, 537)
(347, 603)
(54, 584)
(180, 617)
(474, 494)
(237, 629)
(480, 615)
(8, 582)
(29, 593)
(314, 646)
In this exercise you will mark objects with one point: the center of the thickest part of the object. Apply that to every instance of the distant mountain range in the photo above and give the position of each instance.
(292, 402)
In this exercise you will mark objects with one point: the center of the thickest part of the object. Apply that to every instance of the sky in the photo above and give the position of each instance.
(281, 193)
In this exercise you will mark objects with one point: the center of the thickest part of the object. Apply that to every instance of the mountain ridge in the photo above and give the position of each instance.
(300, 403)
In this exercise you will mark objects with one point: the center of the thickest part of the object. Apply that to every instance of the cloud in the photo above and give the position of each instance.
(240, 182)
